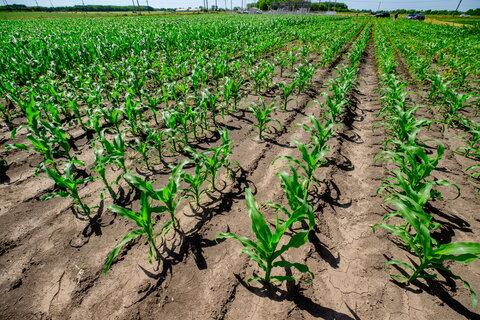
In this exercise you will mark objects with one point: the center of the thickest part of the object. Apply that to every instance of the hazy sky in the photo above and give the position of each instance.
(353, 4)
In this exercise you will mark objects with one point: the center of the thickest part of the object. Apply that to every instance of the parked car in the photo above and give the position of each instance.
(416, 16)
(382, 15)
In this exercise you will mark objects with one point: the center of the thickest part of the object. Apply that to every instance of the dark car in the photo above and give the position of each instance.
(416, 16)
(382, 15)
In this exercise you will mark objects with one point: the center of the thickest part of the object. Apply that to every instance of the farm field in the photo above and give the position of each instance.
(151, 166)
(473, 20)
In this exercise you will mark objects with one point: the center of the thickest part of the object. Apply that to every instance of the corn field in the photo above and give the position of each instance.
(223, 167)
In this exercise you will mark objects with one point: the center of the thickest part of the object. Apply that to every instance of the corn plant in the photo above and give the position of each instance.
(112, 116)
(303, 77)
(73, 106)
(115, 149)
(143, 219)
(168, 195)
(195, 182)
(143, 147)
(68, 182)
(319, 132)
(286, 91)
(296, 191)
(402, 125)
(264, 249)
(170, 121)
(158, 138)
(213, 159)
(133, 114)
(100, 166)
(472, 149)
(313, 157)
(262, 115)
(415, 166)
(421, 244)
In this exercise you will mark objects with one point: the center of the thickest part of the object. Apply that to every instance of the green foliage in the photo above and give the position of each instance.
(143, 219)
(195, 182)
(422, 245)
(313, 157)
(168, 195)
(68, 183)
(264, 249)
(262, 115)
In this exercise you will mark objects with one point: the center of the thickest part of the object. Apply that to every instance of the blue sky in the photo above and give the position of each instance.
(353, 4)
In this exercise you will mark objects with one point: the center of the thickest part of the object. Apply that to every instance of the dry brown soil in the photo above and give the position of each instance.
(51, 263)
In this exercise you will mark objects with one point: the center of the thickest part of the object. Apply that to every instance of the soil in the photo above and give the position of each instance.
(52, 263)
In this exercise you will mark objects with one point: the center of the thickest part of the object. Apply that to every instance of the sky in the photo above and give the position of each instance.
(352, 4)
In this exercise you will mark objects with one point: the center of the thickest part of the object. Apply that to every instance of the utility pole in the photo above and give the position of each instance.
(458, 5)
(51, 4)
(133, 2)
(335, 6)
(139, 10)
(379, 4)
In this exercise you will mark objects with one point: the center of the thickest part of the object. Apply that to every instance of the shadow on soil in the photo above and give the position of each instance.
(439, 288)
(192, 241)
(295, 294)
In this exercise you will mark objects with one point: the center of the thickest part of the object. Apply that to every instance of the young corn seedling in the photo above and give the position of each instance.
(69, 185)
(115, 150)
(282, 62)
(403, 126)
(153, 102)
(170, 121)
(310, 161)
(143, 147)
(73, 106)
(112, 116)
(133, 114)
(101, 163)
(320, 133)
(168, 195)
(219, 158)
(264, 249)
(430, 256)
(472, 149)
(303, 77)
(210, 101)
(415, 167)
(296, 191)
(158, 138)
(195, 182)
(143, 219)
(286, 91)
(262, 114)
(475, 174)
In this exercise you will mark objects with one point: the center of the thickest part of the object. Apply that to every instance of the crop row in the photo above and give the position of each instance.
(457, 108)
(410, 186)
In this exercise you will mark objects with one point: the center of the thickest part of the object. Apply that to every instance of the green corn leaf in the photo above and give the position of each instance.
(130, 215)
(129, 237)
